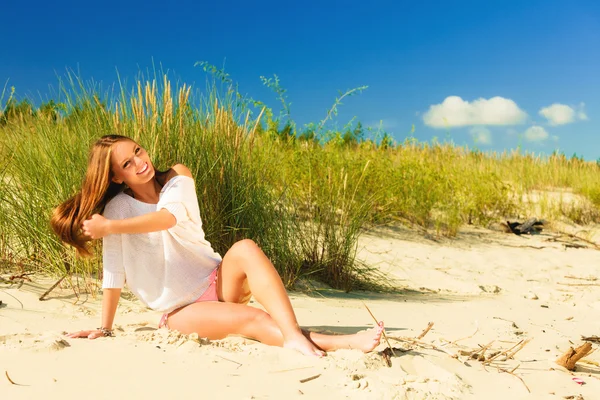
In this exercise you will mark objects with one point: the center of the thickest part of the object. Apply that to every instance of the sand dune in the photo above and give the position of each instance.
(484, 288)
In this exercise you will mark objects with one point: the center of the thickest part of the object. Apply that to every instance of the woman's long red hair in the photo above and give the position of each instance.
(96, 191)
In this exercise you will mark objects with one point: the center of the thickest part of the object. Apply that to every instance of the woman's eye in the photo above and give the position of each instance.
(137, 150)
(126, 164)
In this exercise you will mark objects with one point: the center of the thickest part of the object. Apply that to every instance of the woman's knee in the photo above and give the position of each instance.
(246, 245)
(256, 316)
(244, 248)
(257, 323)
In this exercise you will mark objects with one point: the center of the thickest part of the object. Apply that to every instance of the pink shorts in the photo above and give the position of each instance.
(210, 294)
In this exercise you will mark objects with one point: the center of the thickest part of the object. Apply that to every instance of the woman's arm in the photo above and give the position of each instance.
(97, 226)
(110, 301)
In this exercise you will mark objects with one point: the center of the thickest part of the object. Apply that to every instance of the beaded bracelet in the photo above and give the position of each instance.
(107, 332)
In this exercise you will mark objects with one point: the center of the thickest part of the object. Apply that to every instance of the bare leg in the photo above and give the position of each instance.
(216, 320)
(365, 341)
(246, 269)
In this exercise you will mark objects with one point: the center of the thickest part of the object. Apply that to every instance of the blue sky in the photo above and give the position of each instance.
(495, 74)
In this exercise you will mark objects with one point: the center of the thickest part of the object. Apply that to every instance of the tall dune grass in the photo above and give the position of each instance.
(215, 139)
(305, 202)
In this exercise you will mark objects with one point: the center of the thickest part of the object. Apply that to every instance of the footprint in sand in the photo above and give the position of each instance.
(51, 341)
(169, 337)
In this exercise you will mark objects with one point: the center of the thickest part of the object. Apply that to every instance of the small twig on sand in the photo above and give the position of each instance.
(596, 245)
(416, 342)
(310, 378)
(47, 292)
(526, 246)
(19, 301)
(513, 374)
(590, 362)
(515, 368)
(591, 278)
(479, 354)
(422, 335)
(11, 381)
(24, 277)
(510, 352)
(468, 337)
(382, 332)
(227, 359)
(574, 246)
(516, 350)
(386, 356)
(8, 377)
(595, 339)
(578, 284)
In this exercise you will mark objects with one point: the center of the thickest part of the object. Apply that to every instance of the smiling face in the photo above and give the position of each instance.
(130, 164)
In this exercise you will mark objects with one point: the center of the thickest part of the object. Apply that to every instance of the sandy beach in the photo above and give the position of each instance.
(485, 292)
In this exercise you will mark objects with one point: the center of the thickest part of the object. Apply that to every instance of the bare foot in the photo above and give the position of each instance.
(304, 346)
(367, 340)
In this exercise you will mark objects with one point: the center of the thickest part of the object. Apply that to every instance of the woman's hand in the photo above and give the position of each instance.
(96, 226)
(90, 334)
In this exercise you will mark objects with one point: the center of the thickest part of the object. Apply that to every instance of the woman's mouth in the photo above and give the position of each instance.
(144, 169)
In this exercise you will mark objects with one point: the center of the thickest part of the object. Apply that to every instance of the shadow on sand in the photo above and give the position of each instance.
(400, 295)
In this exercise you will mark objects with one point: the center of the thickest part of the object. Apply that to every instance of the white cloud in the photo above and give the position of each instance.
(536, 134)
(481, 135)
(454, 111)
(581, 113)
(560, 114)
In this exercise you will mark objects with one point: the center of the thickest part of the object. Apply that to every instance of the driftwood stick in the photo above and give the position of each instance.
(382, 332)
(515, 351)
(574, 246)
(591, 338)
(504, 352)
(47, 292)
(479, 354)
(422, 335)
(570, 358)
(11, 381)
(8, 377)
(310, 378)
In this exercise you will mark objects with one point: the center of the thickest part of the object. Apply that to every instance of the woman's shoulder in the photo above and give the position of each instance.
(181, 170)
(175, 171)
(177, 178)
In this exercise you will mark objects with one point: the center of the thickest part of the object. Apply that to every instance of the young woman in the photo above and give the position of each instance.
(153, 238)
